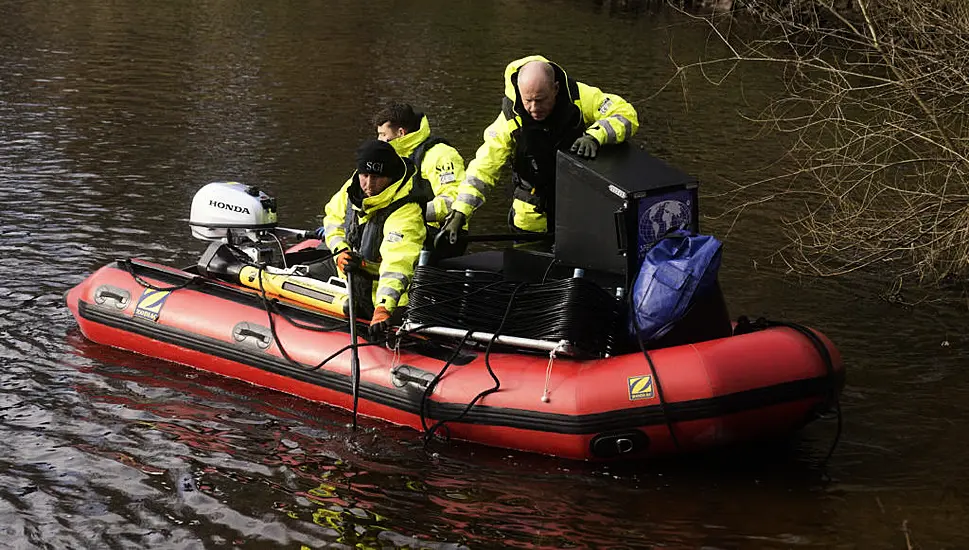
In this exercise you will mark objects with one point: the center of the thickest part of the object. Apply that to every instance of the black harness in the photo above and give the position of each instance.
(536, 143)
(365, 238)
(423, 189)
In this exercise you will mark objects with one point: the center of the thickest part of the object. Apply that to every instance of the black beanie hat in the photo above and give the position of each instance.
(380, 158)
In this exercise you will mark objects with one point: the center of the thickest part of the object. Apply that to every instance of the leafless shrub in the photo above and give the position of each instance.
(877, 110)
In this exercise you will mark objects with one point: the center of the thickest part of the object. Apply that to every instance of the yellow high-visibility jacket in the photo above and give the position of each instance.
(608, 118)
(387, 230)
(439, 165)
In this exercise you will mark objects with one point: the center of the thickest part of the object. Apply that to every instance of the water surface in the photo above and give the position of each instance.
(112, 115)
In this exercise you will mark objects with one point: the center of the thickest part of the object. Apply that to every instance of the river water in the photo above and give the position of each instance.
(112, 115)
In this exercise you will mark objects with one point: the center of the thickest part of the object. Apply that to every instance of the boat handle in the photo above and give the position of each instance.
(403, 375)
(244, 330)
(119, 296)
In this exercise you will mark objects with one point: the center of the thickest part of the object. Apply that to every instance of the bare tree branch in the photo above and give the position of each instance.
(876, 110)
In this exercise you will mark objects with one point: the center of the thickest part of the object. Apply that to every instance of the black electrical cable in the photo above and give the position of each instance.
(548, 270)
(429, 390)
(440, 423)
(269, 305)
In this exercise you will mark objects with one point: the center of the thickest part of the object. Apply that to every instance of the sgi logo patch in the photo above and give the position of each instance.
(640, 387)
(150, 304)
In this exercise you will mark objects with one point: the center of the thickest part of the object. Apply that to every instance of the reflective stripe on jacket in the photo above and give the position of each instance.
(386, 229)
(608, 117)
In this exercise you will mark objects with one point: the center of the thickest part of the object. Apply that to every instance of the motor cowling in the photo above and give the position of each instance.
(225, 205)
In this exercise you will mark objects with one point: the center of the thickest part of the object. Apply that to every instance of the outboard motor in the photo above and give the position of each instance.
(246, 247)
(239, 215)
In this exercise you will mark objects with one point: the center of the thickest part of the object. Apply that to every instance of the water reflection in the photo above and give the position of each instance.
(289, 461)
(112, 115)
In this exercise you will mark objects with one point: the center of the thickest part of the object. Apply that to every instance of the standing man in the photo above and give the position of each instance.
(440, 168)
(375, 226)
(543, 111)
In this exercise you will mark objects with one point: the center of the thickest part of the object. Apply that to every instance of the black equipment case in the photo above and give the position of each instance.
(611, 209)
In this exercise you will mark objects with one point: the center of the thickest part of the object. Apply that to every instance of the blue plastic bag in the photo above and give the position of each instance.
(675, 270)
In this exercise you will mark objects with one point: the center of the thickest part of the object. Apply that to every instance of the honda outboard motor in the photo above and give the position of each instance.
(246, 247)
(239, 215)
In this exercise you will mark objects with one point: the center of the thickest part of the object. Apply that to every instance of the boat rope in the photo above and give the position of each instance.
(659, 389)
(745, 325)
(129, 266)
(833, 389)
(395, 360)
(548, 370)
(429, 433)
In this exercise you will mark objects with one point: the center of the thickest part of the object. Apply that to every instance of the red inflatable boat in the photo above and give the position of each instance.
(761, 384)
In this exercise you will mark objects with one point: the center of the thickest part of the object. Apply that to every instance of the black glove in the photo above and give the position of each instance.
(453, 223)
(320, 232)
(380, 321)
(349, 260)
(586, 146)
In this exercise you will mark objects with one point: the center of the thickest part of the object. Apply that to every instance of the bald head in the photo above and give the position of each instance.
(537, 88)
(536, 73)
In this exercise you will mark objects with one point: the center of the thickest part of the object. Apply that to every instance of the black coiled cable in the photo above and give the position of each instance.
(575, 309)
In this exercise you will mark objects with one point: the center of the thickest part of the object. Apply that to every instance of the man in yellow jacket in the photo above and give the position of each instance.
(440, 168)
(374, 225)
(543, 111)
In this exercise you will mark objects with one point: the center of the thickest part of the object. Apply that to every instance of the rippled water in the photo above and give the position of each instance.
(112, 114)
